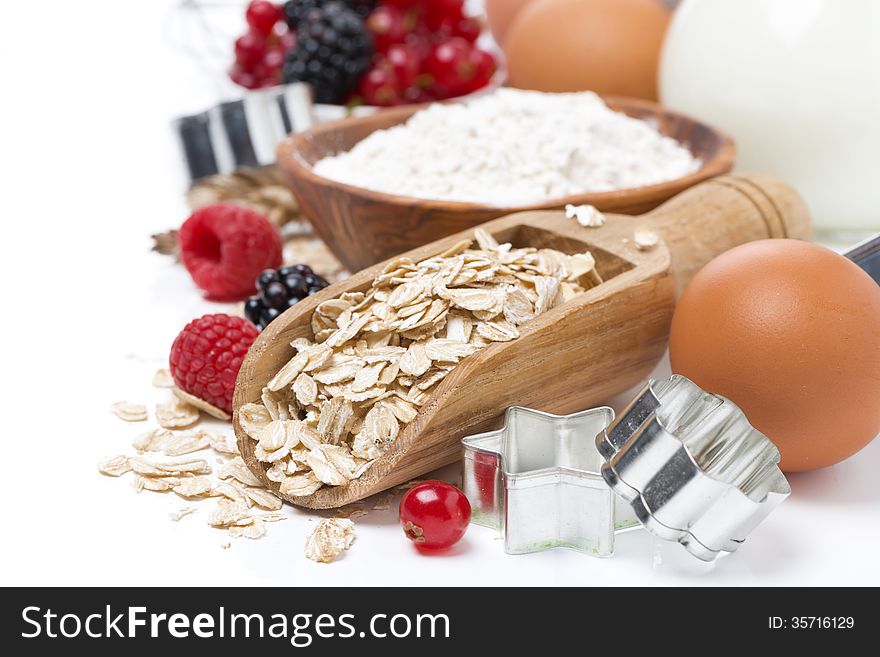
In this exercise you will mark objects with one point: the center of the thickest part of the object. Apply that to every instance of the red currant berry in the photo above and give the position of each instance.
(243, 78)
(439, 92)
(434, 514)
(400, 4)
(438, 13)
(249, 50)
(484, 68)
(379, 86)
(416, 94)
(468, 29)
(405, 63)
(274, 61)
(388, 26)
(262, 15)
(419, 43)
(450, 64)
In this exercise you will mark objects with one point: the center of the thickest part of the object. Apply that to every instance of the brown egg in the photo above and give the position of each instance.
(607, 46)
(789, 331)
(500, 14)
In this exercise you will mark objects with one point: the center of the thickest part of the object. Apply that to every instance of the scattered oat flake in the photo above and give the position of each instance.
(185, 443)
(586, 215)
(162, 379)
(202, 405)
(221, 443)
(272, 517)
(130, 412)
(153, 440)
(263, 498)
(330, 538)
(194, 487)
(230, 491)
(240, 472)
(176, 414)
(114, 466)
(155, 484)
(257, 529)
(645, 239)
(226, 546)
(182, 513)
(228, 513)
(170, 468)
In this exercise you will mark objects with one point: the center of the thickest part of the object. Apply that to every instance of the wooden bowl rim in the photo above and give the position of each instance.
(290, 158)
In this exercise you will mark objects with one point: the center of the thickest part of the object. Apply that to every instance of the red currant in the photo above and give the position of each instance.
(379, 86)
(262, 15)
(249, 50)
(388, 26)
(440, 13)
(468, 29)
(450, 64)
(405, 63)
(243, 78)
(400, 4)
(484, 68)
(434, 514)
(419, 42)
(416, 94)
(274, 61)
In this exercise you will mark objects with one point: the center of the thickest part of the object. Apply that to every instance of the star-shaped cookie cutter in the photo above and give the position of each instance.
(538, 480)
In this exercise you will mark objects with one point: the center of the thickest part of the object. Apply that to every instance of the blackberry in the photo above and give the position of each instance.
(333, 49)
(296, 10)
(279, 289)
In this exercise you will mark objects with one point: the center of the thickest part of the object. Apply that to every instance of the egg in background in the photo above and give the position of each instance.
(611, 47)
(500, 14)
(790, 332)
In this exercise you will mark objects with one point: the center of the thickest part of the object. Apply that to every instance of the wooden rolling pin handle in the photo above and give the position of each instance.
(707, 220)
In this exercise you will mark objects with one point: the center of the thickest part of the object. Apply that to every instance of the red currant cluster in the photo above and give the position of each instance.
(424, 50)
(260, 52)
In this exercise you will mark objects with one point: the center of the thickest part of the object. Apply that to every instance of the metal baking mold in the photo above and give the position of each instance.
(685, 464)
(244, 132)
(867, 256)
(538, 481)
(692, 467)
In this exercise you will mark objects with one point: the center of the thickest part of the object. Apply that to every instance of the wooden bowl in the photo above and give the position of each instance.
(362, 227)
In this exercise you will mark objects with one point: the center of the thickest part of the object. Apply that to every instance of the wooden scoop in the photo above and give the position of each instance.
(600, 343)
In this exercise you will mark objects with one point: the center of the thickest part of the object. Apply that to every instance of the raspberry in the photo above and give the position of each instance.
(224, 247)
(206, 356)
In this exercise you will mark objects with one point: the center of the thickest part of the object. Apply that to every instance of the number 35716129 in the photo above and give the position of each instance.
(811, 622)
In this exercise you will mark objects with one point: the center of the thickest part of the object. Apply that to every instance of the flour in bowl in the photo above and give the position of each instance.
(512, 148)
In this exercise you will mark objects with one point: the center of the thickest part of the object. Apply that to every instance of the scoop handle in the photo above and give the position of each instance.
(708, 219)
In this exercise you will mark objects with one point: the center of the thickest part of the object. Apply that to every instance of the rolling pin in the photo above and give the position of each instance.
(595, 345)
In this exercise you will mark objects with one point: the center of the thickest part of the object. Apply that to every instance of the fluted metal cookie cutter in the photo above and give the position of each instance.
(684, 463)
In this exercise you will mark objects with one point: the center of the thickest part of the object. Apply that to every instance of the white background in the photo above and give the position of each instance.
(89, 168)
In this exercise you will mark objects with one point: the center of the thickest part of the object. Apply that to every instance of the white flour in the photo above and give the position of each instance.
(511, 148)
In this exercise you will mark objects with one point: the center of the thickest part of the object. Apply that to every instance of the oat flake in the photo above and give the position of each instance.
(130, 412)
(330, 538)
